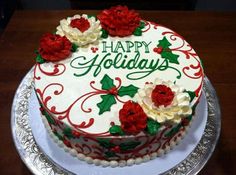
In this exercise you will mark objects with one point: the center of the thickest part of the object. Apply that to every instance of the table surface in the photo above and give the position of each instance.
(211, 34)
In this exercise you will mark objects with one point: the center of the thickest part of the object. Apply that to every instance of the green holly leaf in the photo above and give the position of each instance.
(74, 47)
(107, 82)
(152, 126)
(105, 143)
(130, 90)
(90, 16)
(202, 63)
(39, 59)
(173, 131)
(104, 34)
(142, 24)
(194, 108)
(68, 132)
(129, 145)
(191, 94)
(48, 117)
(189, 117)
(110, 154)
(173, 58)
(137, 32)
(106, 103)
(116, 130)
(58, 135)
(164, 43)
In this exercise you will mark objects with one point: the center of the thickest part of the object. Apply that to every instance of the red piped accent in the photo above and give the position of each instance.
(113, 91)
(76, 134)
(67, 143)
(81, 24)
(56, 71)
(112, 123)
(116, 149)
(94, 49)
(158, 50)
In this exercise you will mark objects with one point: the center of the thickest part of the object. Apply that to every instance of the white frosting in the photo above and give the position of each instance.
(179, 107)
(75, 88)
(75, 35)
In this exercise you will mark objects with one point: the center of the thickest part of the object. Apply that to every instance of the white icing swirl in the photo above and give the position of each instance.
(179, 107)
(91, 35)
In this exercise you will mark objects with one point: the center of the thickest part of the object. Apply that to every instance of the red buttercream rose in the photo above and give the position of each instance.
(54, 47)
(119, 21)
(162, 95)
(132, 118)
(80, 23)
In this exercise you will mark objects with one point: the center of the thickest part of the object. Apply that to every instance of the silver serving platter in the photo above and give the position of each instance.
(39, 163)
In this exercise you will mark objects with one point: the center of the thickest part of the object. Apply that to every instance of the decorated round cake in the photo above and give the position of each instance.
(115, 89)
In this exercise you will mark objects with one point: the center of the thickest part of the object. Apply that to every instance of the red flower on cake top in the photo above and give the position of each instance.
(132, 118)
(53, 47)
(164, 101)
(80, 29)
(119, 21)
(162, 95)
(80, 23)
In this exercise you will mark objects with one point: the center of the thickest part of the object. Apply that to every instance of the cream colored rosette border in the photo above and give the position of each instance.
(75, 35)
(178, 109)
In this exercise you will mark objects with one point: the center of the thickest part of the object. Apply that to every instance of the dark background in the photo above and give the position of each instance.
(7, 7)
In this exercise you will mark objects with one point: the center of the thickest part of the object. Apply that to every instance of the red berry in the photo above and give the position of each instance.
(155, 49)
(116, 149)
(159, 49)
(185, 122)
(67, 143)
(113, 91)
(76, 134)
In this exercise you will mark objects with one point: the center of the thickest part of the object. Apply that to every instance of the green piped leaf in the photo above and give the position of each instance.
(173, 131)
(164, 43)
(110, 154)
(130, 90)
(189, 117)
(105, 143)
(137, 32)
(48, 117)
(90, 16)
(74, 47)
(129, 145)
(202, 63)
(173, 58)
(116, 130)
(106, 103)
(58, 135)
(142, 24)
(191, 94)
(166, 52)
(152, 126)
(39, 59)
(68, 133)
(104, 34)
(107, 82)
(194, 108)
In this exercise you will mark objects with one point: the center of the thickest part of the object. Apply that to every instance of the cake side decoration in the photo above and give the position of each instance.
(81, 30)
(120, 21)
